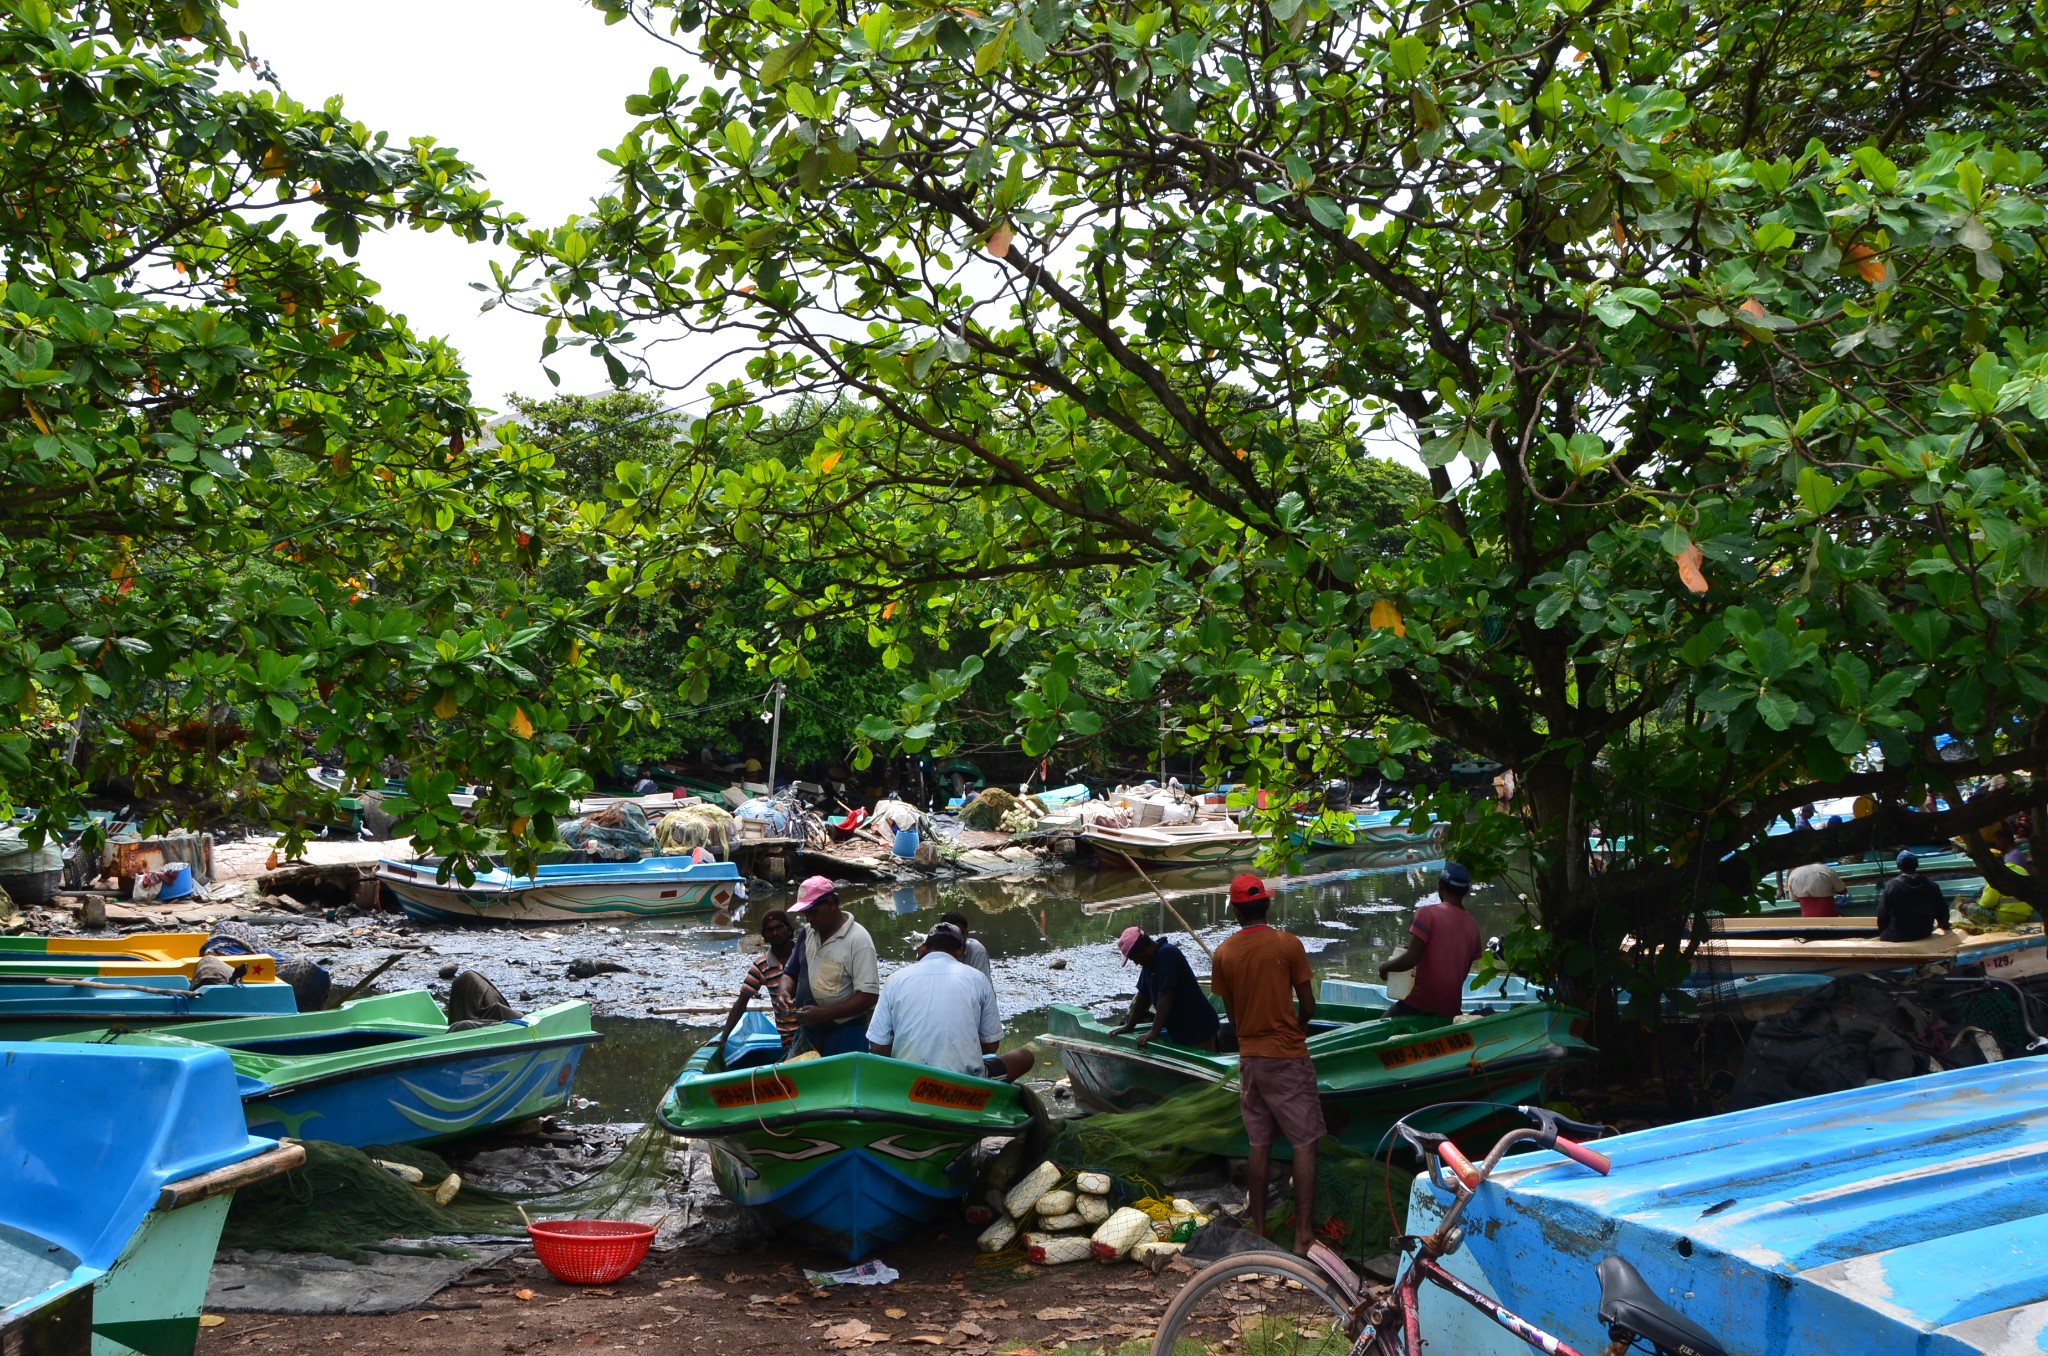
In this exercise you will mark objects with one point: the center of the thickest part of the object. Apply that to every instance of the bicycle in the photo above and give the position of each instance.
(1275, 1303)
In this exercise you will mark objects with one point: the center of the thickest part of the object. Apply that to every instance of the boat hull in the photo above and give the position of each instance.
(1903, 1219)
(387, 1070)
(850, 1152)
(654, 889)
(31, 1008)
(2001, 955)
(1164, 848)
(1368, 1073)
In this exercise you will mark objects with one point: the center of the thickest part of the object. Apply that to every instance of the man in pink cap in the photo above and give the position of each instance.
(1168, 993)
(838, 970)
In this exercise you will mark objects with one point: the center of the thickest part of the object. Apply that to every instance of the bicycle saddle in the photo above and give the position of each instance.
(1627, 1301)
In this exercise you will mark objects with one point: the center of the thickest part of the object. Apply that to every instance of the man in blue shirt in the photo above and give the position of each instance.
(942, 1012)
(1168, 993)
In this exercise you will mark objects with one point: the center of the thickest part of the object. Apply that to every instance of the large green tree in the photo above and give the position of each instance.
(245, 516)
(1718, 326)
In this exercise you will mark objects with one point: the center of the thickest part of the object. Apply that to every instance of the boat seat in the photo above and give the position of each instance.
(1627, 1301)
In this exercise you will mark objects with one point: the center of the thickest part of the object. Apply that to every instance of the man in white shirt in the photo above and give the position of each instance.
(942, 1013)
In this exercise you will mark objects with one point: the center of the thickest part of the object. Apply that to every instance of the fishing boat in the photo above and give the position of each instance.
(1378, 829)
(851, 1151)
(121, 958)
(1846, 946)
(388, 1070)
(654, 887)
(1370, 1068)
(1502, 991)
(36, 1007)
(1202, 843)
(119, 1168)
(1901, 1219)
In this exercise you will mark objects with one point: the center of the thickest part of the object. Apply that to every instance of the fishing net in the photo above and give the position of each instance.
(695, 826)
(617, 833)
(987, 810)
(344, 1203)
(1360, 1201)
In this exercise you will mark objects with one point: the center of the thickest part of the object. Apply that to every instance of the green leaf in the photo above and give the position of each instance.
(1777, 709)
(1326, 212)
(989, 56)
(1408, 56)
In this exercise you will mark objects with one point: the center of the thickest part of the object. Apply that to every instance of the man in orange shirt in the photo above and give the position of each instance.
(1262, 976)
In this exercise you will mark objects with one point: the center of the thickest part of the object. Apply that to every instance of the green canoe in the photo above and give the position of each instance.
(1370, 1072)
(387, 1070)
(850, 1151)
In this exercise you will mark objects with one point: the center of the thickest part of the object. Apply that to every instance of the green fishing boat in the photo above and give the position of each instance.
(850, 1151)
(1370, 1069)
(389, 1070)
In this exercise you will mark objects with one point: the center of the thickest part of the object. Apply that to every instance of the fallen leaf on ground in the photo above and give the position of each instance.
(930, 1339)
(897, 1313)
(971, 1329)
(840, 1332)
(211, 1320)
(522, 1294)
(1059, 1314)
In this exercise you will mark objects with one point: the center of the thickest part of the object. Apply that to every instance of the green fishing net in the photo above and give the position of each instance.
(344, 1203)
(1361, 1201)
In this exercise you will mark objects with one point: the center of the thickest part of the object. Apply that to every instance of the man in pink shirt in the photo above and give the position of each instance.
(1443, 942)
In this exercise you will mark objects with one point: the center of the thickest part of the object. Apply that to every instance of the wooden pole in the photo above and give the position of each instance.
(352, 990)
(1168, 903)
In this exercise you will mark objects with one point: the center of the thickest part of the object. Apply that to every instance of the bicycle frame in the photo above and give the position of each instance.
(1445, 1240)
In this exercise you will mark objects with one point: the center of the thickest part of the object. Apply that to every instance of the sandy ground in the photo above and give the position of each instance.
(756, 1302)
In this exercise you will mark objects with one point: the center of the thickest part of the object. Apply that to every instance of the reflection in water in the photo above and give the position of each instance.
(1351, 909)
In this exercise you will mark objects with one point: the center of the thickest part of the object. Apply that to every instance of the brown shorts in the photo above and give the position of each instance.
(1279, 1094)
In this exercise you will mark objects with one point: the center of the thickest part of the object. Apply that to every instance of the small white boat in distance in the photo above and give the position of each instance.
(1202, 843)
(655, 887)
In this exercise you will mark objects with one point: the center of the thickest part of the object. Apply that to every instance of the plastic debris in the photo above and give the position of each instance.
(867, 1273)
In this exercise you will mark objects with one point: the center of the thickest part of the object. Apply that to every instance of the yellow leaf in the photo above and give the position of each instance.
(519, 826)
(825, 466)
(1387, 617)
(575, 650)
(1868, 266)
(1752, 308)
(521, 726)
(446, 707)
(888, 611)
(999, 240)
(1689, 568)
(36, 414)
(211, 1320)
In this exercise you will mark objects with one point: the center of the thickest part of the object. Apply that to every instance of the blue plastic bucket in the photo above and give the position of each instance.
(906, 843)
(177, 881)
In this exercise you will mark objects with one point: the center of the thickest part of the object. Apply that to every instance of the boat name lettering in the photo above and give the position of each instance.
(754, 1091)
(1434, 1048)
(932, 1092)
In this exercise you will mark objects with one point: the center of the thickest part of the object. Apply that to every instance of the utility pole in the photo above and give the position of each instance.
(1162, 742)
(775, 735)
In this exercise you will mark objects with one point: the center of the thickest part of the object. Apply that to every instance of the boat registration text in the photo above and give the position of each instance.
(1434, 1048)
(932, 1092)
(754, 1091)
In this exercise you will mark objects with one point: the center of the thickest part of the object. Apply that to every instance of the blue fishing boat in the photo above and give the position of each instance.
(1902, 1218)
(36, 1007)
(117, 1173)
(1375, 829)
(654, 887)
(389, 1070)
(849, 1151)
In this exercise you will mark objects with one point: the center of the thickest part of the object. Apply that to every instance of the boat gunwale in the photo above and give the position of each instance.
(325, 1078)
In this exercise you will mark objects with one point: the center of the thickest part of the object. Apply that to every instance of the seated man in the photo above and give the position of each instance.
(1912, 906)
(942, 1012)
(1168, 993)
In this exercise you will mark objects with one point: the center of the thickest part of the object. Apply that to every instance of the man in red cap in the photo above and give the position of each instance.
(1262, 976)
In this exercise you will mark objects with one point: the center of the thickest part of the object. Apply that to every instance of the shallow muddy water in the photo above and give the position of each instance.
(1350, 910)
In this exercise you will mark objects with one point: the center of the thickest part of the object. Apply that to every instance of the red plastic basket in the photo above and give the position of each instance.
(589, 1251)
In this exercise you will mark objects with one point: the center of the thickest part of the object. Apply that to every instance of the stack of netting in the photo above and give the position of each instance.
(689, 827)
(1360, 1201)
(617, 833)
(343, 1202)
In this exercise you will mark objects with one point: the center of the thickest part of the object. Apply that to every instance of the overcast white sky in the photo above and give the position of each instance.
(528, 90)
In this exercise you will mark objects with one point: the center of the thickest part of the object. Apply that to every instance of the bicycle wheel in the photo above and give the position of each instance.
(1257, 1304)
